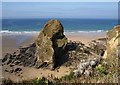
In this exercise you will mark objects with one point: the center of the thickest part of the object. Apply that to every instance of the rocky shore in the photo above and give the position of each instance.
(52, 49)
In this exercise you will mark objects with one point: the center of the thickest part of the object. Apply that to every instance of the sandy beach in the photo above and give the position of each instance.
(59, 42)
(12, 42)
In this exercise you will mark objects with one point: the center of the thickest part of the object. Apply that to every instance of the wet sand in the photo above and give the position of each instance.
(11, 42)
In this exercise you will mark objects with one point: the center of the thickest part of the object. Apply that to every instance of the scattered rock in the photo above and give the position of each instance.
(98, 47)
(23, 56)
(11, 65)
(6, 57)
(51, 49)
(17, 62)
(8, 61)
(86, 68)
(9, 69)
(18, 69)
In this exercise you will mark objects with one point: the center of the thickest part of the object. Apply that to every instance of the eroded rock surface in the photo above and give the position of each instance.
(50, 44)
(113, 42)
(51, 49)
(47, 50)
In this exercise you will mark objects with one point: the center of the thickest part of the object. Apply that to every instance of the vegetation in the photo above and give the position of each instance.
(105, 72)
(37, 81)
(41, 81)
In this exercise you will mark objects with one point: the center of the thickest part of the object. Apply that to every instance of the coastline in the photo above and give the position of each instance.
(12, 41)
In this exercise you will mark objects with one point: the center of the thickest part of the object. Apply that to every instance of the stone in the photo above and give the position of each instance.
(6, 57)
(83, 65)
(76, 73)
(51, 43)
(8, 61)
(18, 69)
(85, 68)
(17, 62)
(88, 72)
(93, 63)
(9, 69)
(11, 65)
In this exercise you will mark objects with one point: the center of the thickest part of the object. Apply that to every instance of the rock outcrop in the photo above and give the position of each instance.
(23, 56)
(47, 51)
(113, 42)
(50, 44)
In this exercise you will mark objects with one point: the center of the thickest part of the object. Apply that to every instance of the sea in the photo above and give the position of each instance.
(71, 25)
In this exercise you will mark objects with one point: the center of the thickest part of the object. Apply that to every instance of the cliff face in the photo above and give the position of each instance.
(51, 43)
(113, 42)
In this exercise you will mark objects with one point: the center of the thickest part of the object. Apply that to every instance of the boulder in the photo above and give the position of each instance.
(50, 44)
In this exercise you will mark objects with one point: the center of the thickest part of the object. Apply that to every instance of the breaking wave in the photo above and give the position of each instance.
(37, 32)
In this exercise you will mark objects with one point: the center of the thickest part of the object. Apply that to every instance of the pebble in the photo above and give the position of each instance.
(93, 63)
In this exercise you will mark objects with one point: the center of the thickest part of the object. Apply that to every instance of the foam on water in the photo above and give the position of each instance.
(37, 32)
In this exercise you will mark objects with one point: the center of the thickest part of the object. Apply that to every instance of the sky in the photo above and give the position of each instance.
(60, 0)
(101, 10)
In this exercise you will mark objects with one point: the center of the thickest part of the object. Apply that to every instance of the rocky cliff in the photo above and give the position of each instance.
(113, 42)
(51, 43)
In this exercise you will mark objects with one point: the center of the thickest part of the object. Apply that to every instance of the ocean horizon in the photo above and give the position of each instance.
(71, 25)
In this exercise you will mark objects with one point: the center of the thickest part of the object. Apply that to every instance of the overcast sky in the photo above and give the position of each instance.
(102, 10)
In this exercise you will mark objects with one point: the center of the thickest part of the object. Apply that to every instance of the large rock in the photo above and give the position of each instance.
(50, 44)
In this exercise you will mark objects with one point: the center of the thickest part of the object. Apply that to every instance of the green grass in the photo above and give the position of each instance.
(41, 81)
(68, 77)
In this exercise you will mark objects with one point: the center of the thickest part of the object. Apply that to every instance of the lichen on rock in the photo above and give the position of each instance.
(51, 43)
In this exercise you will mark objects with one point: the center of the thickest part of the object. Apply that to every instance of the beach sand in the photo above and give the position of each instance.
(12, 42)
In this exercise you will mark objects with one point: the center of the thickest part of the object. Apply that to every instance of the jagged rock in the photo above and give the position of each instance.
(98, 47)
(51, 43)
(86, 68)
(18, 69)
(17, 62)
(8, 61)
(24, 56)
(6, 57)
(113, 43)
(11, 65)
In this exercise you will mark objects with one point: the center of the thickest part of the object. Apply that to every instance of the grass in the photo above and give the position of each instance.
(106, 72)
(68, 77)
(41, 81)
(37, 81)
